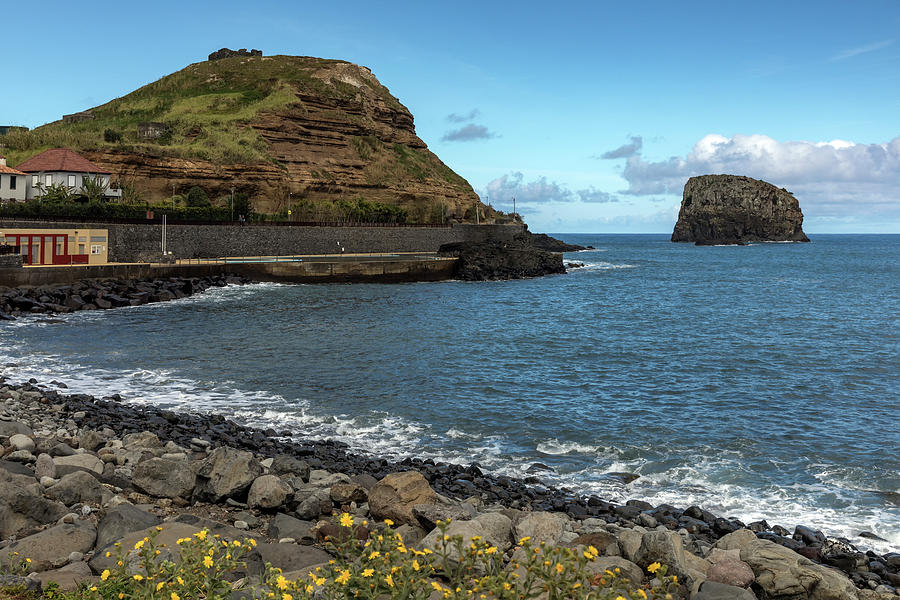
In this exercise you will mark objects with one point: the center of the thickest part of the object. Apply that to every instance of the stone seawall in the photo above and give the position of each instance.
(140, 242)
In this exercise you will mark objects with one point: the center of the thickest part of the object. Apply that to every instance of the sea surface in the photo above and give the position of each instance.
(756, 382)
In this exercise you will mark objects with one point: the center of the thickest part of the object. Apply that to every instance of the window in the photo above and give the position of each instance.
(12, 182)
(82, 238)
(48, 179)
(98, 238)
(35, 180)
(80, 248)
(96, 249)
(71, 181)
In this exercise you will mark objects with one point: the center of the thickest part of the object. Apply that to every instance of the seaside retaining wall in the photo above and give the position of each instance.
(139, 242)
(343, 271)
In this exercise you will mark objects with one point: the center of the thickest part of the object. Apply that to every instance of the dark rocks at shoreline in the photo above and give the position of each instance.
(187, 461)
(102, 294)
(736, 210)
(518, 258)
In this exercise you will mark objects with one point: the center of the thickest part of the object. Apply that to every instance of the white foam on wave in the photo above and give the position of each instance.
(556, 447)
(602, 266)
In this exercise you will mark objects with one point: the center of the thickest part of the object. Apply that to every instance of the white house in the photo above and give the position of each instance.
(61, 166)
(13, 183)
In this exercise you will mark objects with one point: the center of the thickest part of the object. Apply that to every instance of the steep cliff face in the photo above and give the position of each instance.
(284, 129)
(732, 209)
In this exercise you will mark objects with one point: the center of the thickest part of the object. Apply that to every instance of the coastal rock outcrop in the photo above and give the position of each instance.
(515, 259)
(732, 209)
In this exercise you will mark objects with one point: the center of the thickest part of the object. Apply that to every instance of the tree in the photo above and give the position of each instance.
(242, 204)
(93, 188)
(55, 192)
(196, 197)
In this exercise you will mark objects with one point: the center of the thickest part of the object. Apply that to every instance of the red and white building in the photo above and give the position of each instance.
(61, 166)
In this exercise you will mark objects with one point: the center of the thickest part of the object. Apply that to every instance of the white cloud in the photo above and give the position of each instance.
(851, 52)
(513, 185)
(828, 178)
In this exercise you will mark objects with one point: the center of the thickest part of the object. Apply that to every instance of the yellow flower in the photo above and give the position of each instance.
(93, 588)
(179, 580)
(654, 567)
(620, 598)
(389, 580)
(201, 535)
(388, 522)
(346, 520)
(160, 585)
(104, 575)
(524, 540)
(560, 568)
(643, 594)
(491, 550)
(319, 581)
(287, 597)
(437, 587)
(343, 578)
(674, 578)
(593, 551)
(121, 595)
(253, 542)
(236, 544)
(415, 565)
(207, 562)
(174, 596)
(281, 583)
(309, 589)
(374, 555)
(139, 545)
(138, 577)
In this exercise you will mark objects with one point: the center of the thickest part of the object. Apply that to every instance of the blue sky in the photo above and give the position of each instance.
(591, 114)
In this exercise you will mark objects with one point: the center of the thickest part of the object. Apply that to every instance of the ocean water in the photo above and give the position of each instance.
(756, 382)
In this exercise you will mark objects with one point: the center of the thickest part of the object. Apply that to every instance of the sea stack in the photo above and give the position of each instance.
(733, 209)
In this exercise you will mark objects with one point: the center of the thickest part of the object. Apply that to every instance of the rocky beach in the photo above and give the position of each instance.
(81, 474)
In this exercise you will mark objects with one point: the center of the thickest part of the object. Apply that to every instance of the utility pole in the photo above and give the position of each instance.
(232, 203)
(514, 206)
(173, 195)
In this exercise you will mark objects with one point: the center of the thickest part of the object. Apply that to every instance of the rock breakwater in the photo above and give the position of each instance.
(101, 294)
(513, 259)
(79, 474)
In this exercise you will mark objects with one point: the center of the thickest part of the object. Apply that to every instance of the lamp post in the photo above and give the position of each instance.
(173, 196)
(232, 203)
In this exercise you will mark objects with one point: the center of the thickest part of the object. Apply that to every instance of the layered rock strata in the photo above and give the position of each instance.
(732, 209)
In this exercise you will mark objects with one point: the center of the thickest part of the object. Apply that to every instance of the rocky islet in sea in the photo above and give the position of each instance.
(80, 473)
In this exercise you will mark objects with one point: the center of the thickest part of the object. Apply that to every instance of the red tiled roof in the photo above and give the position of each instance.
(59, 159)
(9, 171)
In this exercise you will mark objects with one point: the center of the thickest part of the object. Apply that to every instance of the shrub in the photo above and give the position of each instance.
(112, 136)
(196, 197)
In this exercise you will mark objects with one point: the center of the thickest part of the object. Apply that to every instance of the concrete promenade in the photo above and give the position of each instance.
(355, 268)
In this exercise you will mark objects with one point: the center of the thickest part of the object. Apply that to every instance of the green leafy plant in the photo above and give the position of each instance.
(93, 188)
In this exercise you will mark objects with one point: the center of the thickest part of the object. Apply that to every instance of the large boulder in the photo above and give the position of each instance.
(287, 557)
(395, 496)
(493, 528)
(164, 478)
(731, 209)
(667, 547)
(268, 491)
(22, 506)
(78, 487)
(226, 473)
(77, 462)
(50, 548)
(286, 526)
(542, 527)
(122, 520)
(782, 574)
(68, 577)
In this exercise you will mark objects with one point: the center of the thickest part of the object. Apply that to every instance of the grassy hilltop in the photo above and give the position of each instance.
(284, 129)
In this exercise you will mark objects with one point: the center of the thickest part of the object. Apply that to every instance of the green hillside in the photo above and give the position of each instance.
(206, 106)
